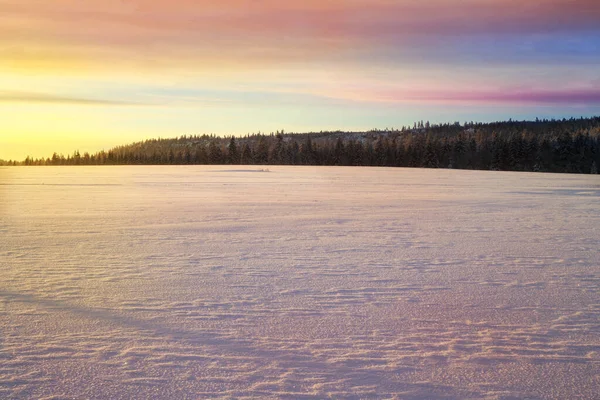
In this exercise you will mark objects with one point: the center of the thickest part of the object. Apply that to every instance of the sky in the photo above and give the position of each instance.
(88, 75)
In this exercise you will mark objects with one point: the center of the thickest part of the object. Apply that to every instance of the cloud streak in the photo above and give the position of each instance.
(529, 97)
(500, 96)
(41, 98)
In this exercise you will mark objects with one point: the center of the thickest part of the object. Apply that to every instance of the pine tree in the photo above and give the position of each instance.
(233, 156)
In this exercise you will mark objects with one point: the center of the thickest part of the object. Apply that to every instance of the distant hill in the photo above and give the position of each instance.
(567, 145)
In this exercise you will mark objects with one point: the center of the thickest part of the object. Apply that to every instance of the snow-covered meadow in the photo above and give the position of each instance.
(298, 283)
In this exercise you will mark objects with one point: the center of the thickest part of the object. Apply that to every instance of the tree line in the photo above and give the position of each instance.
(567, 145)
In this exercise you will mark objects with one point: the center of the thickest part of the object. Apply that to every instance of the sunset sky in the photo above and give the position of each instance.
(91, 74)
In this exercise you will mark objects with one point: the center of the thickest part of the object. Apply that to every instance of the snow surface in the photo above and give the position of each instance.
(298, 283)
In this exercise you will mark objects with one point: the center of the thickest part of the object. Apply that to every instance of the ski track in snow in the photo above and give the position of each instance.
(299, 283)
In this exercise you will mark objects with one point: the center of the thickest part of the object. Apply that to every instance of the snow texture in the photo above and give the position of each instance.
(298, 283)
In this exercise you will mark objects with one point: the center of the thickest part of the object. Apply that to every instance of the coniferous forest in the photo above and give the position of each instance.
(567, 145)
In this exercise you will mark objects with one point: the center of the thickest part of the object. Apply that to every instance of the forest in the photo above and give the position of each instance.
(566, 145)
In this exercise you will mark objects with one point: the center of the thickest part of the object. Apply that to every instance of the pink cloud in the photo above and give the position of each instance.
(500, 96)
(535, 97)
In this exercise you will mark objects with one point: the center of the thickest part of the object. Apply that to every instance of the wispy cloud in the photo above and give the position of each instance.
(499, 96)
(32, 98)
(591, 96)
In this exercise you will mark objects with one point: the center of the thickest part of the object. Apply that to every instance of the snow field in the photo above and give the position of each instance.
(298, 283)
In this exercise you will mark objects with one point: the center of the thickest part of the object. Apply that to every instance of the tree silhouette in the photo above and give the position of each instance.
(567, 145)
